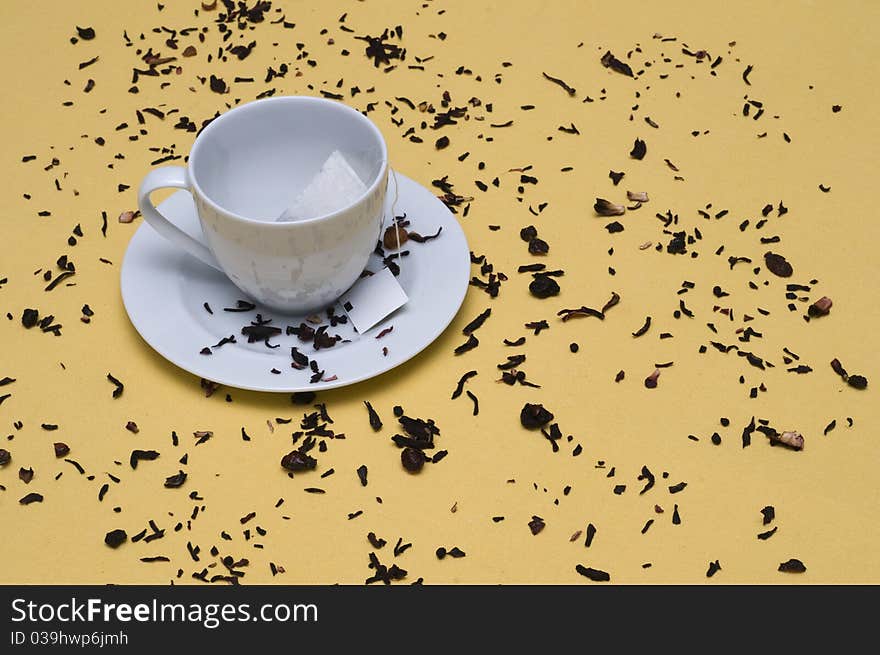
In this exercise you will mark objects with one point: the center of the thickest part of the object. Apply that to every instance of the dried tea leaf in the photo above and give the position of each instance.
(536, 525)
(533, 416)
(477, 323)
(297, 460)
(777, 265)
(763, 536)
(538, 247)
(857, 382)
(610, 61)
(115, 538)
(821, 307)
(461, 382)
(607, 208)
(375, 421)
(413, 459)
(642, 330)
(568, 89)
(639, 149)
(217, 84)
(29, 318)
(714, 567)
(176, 480)
(591, 533)
(793, 440)
(117, 392)
(792, 566)
(543, 286)
(470, 344)
(141, 455)
(614, 300)
(592, 574)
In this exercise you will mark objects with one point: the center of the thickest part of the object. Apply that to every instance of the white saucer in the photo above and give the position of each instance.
(164, 291)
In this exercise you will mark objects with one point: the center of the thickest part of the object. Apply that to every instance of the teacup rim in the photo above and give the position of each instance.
(379, 179)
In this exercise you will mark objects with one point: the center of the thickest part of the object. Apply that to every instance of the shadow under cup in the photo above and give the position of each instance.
(246, 168)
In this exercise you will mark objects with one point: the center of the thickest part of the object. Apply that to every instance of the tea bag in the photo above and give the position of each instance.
(335, 186)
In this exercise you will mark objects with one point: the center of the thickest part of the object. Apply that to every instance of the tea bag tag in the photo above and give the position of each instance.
(372, 298)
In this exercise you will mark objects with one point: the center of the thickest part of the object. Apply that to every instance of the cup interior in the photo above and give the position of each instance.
(254, 159)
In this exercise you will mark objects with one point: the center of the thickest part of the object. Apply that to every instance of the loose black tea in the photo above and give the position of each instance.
(85, 33)
(593, 574)
(119, 387)
(375, 421)
(591, 534)
(607, 208)
(568, 89)
(792, 566)
(461, 382)
(533, 416)
(29, 318)
(642, 330)
(470, 344)
(857, 381)
(543, 286)
(298, 460)
(538, 247)
(477, 323)
(639, 149)
(412, 459)
(115, 538)
(474, 399)
(176, 480)
(610, 61)
(536, 525)
(820, 308)
(763, 536)
(778, 265)
(141, 455)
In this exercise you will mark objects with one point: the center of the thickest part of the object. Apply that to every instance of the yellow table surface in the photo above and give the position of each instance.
(806, 57)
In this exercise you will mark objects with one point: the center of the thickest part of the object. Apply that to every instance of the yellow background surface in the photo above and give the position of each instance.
(807, 57)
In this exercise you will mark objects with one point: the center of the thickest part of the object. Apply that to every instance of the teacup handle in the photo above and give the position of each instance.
(174, 177)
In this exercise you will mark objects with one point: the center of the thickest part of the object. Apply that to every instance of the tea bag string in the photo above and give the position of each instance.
(394, 222)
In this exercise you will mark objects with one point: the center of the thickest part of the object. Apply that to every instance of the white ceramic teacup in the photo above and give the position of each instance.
(241, 172)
